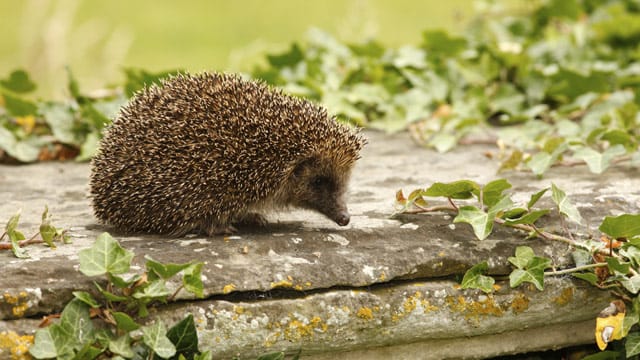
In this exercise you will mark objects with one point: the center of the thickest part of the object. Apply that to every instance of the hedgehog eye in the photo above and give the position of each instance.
(320, 181)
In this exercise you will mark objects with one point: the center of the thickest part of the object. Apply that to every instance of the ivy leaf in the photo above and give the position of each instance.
(589, 277)
(492, 192)
(529, 268)
(616, 267)
(47, 231)
(533, 273)
(155, 336)
(185, 337)
(18, 82)
(192, 279)
(16, 236)
(76, 320)
(17, 106)
(564, 205)
(535, 197)
(632, 344)
(51, 342)
(12, 224)
(279, 355)
(478, 219)
(528, 218)
(474, 278)
(599, 162)
(86, 298)
(122, 346)
(462, 189)
(524, 254)
(105, 256)
(632, 284)
(124, 321)
(154, 290)
(622, 226)
(163, 271)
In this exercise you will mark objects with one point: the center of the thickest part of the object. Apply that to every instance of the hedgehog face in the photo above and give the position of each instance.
(320, 187)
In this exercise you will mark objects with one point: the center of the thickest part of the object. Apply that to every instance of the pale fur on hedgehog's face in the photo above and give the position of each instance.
(318, 185)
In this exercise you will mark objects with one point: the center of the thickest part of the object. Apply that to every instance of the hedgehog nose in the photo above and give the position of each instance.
(343, 218)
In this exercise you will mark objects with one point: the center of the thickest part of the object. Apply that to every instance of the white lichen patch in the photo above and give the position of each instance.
(296, 240)
(286, 259)
(338, 239)
(199, 241)
(411, 226)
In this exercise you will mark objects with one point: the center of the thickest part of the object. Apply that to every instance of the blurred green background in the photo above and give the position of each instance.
(96, 39)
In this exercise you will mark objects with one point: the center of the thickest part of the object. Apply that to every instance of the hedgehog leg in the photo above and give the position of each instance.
(251, 219)
(212, 227)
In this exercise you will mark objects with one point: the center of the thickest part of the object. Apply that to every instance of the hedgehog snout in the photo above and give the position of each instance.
(342, 218)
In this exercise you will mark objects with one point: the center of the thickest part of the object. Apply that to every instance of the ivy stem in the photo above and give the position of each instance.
(575, 269)
(173, 296)
(422, 209)
(453, 205)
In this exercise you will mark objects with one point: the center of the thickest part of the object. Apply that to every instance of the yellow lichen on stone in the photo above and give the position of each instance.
(473, 310)
(365, 313)
(282, 284)
(382, 276)
(16, 345)
(520, 303)
(20, 302)
(565, 297)
(228, 288)
(411, 303)
(295, 329)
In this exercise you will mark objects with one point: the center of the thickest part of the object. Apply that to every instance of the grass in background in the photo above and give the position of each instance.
(97, 39)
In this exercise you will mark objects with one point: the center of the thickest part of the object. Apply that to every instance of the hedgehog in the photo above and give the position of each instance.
(204, 153)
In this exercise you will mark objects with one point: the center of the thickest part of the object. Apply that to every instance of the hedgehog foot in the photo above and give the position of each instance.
(218, 229)
(252, 219)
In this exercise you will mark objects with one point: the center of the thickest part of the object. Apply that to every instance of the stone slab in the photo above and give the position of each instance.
(302, 255)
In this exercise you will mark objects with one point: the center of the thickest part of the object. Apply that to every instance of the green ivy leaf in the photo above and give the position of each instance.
(155, 336)
(599, 162)
(564, 205)
(462, 189)
(632, 344)
(589, 277)
(86, 298)
(474, 278)
(533, 273)
(17, 106)
(185, 337)
(622, 226)
(192, 279)
(18, 82)
(122, 346)
(492, 191)
(163, 271)
(528, 218)
(524, 254)
(124, 321)
(75, 319)
(154, 290)
(478, 219)
(535, 197)
(105, 256)
(529, 268)
(272, 356)
(47, 231)
(616, 267)
(632, 284)
(44, 346)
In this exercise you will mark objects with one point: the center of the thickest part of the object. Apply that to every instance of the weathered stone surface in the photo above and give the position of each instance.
(302, 271)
